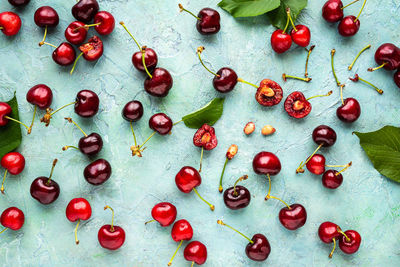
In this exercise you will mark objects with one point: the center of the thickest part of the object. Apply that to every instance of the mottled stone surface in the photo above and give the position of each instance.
(366, 201)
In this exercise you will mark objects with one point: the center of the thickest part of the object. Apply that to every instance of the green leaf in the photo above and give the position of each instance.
(209, 114)
(278, 16)
(10, 135)
(383, 149)
(248, 8)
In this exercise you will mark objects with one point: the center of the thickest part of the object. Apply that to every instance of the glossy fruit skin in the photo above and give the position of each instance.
(111, 239)
(348, 27)
(74, 36)
(46, 16)
(195, 251)
(160, 123)
(316, 164)
(390, 54)
(181, 230)
(327, 231)
(324, 135)
(260, 249)
(93, 49)
(5, 110)
(78, 209)
(331, 179)
(266, 163)
(265, 86)
(226, 81)
(396, 78)
(209, 22)
(19, 3)
(239, 200)
(97, 172)
(350, 111)
(332, 11)
(64, 54)
(302, 36)
(280, 41)
(44, 191)
(352, 246)
(164, 213)
(13, 162)
(107, 22)
(160, 83)
(205, 137)
(12, 218)
(133, 111)
(150, 58)
(87, 103)
(91, 144)
(293, 218)
(187, 179)
(85, 10)
(10, 22)
(297, 98)
(40, 95)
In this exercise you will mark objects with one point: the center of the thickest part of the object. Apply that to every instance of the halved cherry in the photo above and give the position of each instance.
(269, 93)
(91, 51)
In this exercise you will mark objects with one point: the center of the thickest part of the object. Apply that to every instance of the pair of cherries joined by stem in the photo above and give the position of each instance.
(10, 23)
(78, 209)
(45, 189)
(207, 20)
(12, 218)
(349, 241)
(14, 163)
(298, 106)
(111, 236)
(387, 56)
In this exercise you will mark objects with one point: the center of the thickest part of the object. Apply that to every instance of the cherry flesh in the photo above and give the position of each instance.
(76, 32)
(316, 164)
(44, 189)
(13, 162)
(205, 137)
(150, 59)
(10, 23)
(19, 3)
(208, 22)
(133, 111)
(111, 237)
(181, 230)
(396, 78)
(297, 106)
(266, 163)
(196, 252)
(332, 11)
(349, 26)
(388, 55)
(107, 22)
(187, 179)
(64, 54)
(5, 110)
(293, 218)
(225, 81)
(332, 179)
(85, 10)
(91, 144)
(269, 93)
(12, 218)
(164, 213)
(46, 16)
(97, 172)
(161, 123)
(280, 41)
(350, 111)
(324, 135)
(260, 249)
(237, 197)
(93, 49)
(159, 84)
(301, 35)
(78, 209)
(350, 246)
(87, 103)
(40, 95)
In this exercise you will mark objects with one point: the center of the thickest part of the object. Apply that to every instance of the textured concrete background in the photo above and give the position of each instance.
(366, 201)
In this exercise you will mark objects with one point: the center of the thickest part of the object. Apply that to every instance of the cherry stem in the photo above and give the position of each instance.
(176, 251)
(201, 158)
(1, 28)
(308, 57)
(149, 222)
(244, 177)
(52, 170)
(358, 55)
(57, 110)
(199, 50)
(380, 91)
(87, 26)
(112, 217)
(192, 264)
(67, 147)
(17, 121)
(328, 94)
(143, 50)
(76, 232)
(344, 169)
(333, 67)
(220, 222)
(212, 207)
(355, 1)
(334, 247)
(362, 8)
(341, 232)
(2, 184)
(336, 166)
(133, 133)
(44, 37)
(76, 61)
(183, 9)
(177, 122)
(287, 22)
(2, 231)
(377, 68)
(300, 168)
(269, 193)
(33, 120)
(220, 188)
(341, 93)
(290, 18)
(71, 121)
(285, 77)
(148, 138)
(48, 44)
(243, 81)
(126, 29)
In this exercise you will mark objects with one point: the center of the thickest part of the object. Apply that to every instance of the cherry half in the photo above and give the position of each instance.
(85, 10)
(350, 242)
(298, 106)
(181, 230)
(196, 252)
(97, 172)
(44, 189)
(10, 23)
(12, 218)
(91, 51)
(164, 213)
(237, 196)
(349, 111)
(112, 236)
(269, 93)
(208, 20)
(206, 139)
(78, 209)
(293, 217)
(14, 163)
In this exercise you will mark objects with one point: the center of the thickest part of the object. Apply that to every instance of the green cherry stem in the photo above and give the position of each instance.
(191, 265)
(243, 81)
(17, 121)
(76, 232)
(148, 138)
(149, 222)
(201, 158)
(176, 251)
(333, 67)
(33, 120)
(71, 121)
(143, 50)
(377, 68)
(290, 18)
(44, 37)
(52, 170)
(75, 62)
(2, 231)
(308, 57)
(183, 9)
(341, 93)
(199, 50)
(126, 29)
(45, 43)
(355, 1)
(112, 217)
(244, 177)
(175, 123)
(87, 26)
(345, 168)
(362, 8)
(64, 148)
(220, 222)
(333, 249)
(302, 164)
(269, 193)
(220, 188)
(341, 232)
(328, 94)
(60, 108)
(287, 22)
(358, 55)
(357, 78)
(133, 133)
(2, 183)
(212, 207)
(285, 77)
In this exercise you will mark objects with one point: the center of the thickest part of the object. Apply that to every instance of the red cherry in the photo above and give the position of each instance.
(78, 209)
(293, 218)
(332, 179)
(76, 32)
(150, 59)
(164, 213)
(64, 54)
(107, 22)
(328, 231)
(316, 164)
(187, 179)
(208, 22)
(332, 11)
(280, 41)
(260, 249)
(86, 103)
(40, 95)
(349, 26)
(44, 189)
(19, 3)
(225, 80)
(396, 78)
(12, 218)
(349, 111)
(13, 162)
(352, 243)
(10, 23)
(5, 110)
(301, 35)
(266, 163)
(111, 237)
(93, 49)
(297, 106)
(46, 16)
(159, 83)
(181, 230)
(269, 93)
(196, 252)
(161, 123)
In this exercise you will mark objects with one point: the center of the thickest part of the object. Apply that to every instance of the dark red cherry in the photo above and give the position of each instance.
(293, 218)
(209, 22)
(159, 84)
(353, 244)
(111, 237)
(225, 81)
(164, 213)
(396, 78)
(269, 93)
(332, 179)
(237, 198)
(87, 103)
(266, 163)
(160, 123)
(64, 54)
(46, 16)
(316, 164)
(12, 218)
(10, 23)
(5, 110)
(133, 111)
(91, 144)
(260, 249)
(44, 190)
(349, 26)
(297, 106)
(93, 49)
(280, 41)
(332, 11)
(196, 252)
(187, 179)
(19, 3)
(324, 135)
(85, 10)
(13, 162)
(97, 172)
(40, 95)
(302, 36)
(388, 54)
(181, 230)
(150, 58)
(328, 231)
(76, 32)
(350, 111)
(107, 22)
(78, 209)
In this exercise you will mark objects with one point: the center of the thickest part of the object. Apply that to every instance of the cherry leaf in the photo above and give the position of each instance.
(209, 114)
(278, 16)
(10, 134)
(248, 8)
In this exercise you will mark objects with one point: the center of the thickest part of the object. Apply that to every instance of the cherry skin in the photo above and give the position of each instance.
(10, 23)
(225, 81)
(260, 249)
(181, 230)
(238, 200)
(332, 11)
(269, 93)
(297, 106)
(350, 246)
(388, 54)
(160, 83)
(111, 238)
(209, 22)
(107, 22)
(5, 110)
(76, 33)
(133, 111)
(266, 163)
(331, 179)
(324, 135)
(150, 58)
(302, 36)
(161, 123)
(350, 111)
(45, 191)
(396, 78)
(280, 41)
(293, 218)
(12, 218)
(348, 27)
(316, 164)
(187, 179)
(64, 54)
(19, 3)
(13, 162)
(93, 49)
(85, 10)
(164, 213)
(87, 103)
(97, 172)
(40, 95)
(91, 144)
(78, 209)
(46, 16)
(328, 231)
(196, 252)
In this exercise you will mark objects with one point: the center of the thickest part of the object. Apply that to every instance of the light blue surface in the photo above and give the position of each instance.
(366, 202)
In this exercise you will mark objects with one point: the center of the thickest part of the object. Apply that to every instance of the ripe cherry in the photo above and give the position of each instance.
(332, 179)
(300, 34)
(316, 164)
(44, 189)
(161, 123)
(19, 3)
(12, 218)
(97, 172)
(225, 80)
(196, 252)
(237, 196)
(10, 23)
(164, 213)
(64, 54)
(14, 163)
(78, 209)
(387, 56)
(350, 242)
(266, 163)
(349, 111)
(112, 236)
(332, 11)
(91, 51)
(85, 10)
(46, 17)
(230, 154)
(349, 26)
(158, 83)
(5, 116)
(105, 21)
(40, 95)
(293, 217)
(76, 32)
(132, 111)
(281, 41)
(208, 20)
(396, 78)
(297, 106)
(181, 230)
(329, 232)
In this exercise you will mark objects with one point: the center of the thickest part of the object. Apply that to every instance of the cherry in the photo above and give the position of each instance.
(187, 179)
(387, 56)
(111, 237)
(40, 95)
(396, 78)
(181, 230)
(208, 20)
(332, 179)
(301, 35)
(14, 163)
(297, 106)
(349, 111)
(158, 83)
(164, 213)
(349, 26)
(269, 93)
(133, 111)
(86, 103)
(85, 10)
(293, 217)
(316, 164)
(266, 163)
(232, 151)
(10, 23)
(91, 51)
(281, 41)
(19, 3)
(5, 111)
(196, 252)
(332, 11)
(64, 54)
(97, 172)
(12, 218)
(44, 189)
(45, 17)
(225, 80)
(160, 123)
(237, 196)
(329, 232)
(105, 21)
(78, 209)
(76, 32)
(350, 242)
